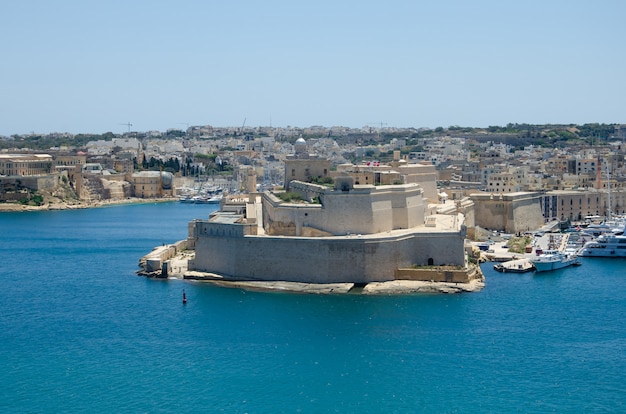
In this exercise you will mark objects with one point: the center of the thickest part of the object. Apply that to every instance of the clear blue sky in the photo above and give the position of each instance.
(89, 66)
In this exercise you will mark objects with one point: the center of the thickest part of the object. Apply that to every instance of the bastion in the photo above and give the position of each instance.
(354, 236)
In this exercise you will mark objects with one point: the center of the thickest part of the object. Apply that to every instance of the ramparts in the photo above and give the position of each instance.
(361, 209)
(356, 259)
(153, 261)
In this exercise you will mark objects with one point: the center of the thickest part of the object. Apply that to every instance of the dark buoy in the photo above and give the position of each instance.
(184, 297)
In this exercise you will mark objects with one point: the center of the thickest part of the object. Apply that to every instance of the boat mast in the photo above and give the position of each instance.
(608, 186)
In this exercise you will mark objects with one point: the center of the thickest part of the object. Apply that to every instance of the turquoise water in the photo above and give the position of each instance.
(80, 332)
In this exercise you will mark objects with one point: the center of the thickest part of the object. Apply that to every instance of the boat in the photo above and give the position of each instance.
(553, 260)
(213, 199)
(186, 200)
(606, 245)
(514, 266)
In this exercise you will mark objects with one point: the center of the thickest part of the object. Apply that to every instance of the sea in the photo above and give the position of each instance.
(80, 332)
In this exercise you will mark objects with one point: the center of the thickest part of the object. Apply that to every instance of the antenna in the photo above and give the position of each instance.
(128, 124)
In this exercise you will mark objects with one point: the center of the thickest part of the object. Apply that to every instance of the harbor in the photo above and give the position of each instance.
(542, 252)
(548, 249)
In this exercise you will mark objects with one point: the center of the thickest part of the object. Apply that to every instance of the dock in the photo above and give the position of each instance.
(522, 262)
(515, 266)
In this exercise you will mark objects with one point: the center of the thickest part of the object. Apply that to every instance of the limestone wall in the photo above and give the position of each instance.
(511, 213)
(424, 175)
(34, 182)
(153, 260)
(438, 275)
(303, 169)
(361, 210)
(228, 229)
(325, 259)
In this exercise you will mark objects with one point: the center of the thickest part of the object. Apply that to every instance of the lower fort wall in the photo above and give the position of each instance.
(439, 275)
(325, 259)
(153, 261)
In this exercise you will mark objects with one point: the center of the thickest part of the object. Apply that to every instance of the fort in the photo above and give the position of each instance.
(347, 233)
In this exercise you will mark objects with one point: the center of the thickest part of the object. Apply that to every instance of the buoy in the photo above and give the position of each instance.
(184, 297)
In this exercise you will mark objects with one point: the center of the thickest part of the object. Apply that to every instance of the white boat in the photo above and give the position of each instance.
(553, 260)
(606, 245)
(213, 199)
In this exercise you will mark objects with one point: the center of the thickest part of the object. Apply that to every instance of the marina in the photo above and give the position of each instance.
(547, 252)
(556, 250)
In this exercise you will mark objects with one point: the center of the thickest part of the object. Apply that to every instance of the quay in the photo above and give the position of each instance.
(515, 266)
(508, 262)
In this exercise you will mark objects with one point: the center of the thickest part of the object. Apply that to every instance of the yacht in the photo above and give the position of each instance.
(553, 260)
(606, 245)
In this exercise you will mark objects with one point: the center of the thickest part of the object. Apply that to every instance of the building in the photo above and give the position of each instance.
(303, 166)
(32, 171)
(508, 212)
(25, 164)
(577, 204)
(152, 184)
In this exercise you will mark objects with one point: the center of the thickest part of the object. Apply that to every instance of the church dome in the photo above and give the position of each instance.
(300, 146)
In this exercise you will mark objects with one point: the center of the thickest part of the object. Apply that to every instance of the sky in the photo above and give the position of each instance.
(84, 66)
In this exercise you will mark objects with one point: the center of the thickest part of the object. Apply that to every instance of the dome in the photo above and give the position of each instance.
(166, 180)
(300, 146)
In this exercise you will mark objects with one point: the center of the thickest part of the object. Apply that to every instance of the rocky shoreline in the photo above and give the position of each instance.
(77, 205)
(392, 287)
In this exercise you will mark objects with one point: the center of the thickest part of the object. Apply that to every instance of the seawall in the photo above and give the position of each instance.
(353, 259)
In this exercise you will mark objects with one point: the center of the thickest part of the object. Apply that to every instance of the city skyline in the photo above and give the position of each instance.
(93, 68)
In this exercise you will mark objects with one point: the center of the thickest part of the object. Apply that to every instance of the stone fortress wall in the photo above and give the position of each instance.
(364, 234)
(510, 212)
(363, 209)
(357, 259)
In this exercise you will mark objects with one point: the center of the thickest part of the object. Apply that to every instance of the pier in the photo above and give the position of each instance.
(508, 262)
(515, 266)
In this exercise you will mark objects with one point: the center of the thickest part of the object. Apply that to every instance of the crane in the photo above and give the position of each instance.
(378, 123)
(381, 123)
(128, 124)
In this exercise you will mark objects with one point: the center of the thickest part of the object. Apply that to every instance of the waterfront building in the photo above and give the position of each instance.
(27, 171)
(152, 184)
(25, 164)
(577, 204)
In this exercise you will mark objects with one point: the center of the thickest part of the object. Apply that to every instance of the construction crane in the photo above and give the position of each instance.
(381, 127)
(378, 123)
(128, 124)
(243, 125)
